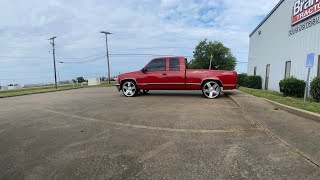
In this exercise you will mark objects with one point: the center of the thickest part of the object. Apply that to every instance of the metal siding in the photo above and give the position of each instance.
(274, 46)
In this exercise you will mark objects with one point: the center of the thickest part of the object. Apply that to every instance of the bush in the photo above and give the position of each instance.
(292, 87)
(315, 89)
(254, 82)
(241, 78)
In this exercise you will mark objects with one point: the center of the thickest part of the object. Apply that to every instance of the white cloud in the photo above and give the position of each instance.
(157, 26)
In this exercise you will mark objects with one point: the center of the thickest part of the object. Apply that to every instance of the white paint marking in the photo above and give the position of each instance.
(159, 128)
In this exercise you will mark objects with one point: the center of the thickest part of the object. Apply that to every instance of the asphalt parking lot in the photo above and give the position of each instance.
(97, 133)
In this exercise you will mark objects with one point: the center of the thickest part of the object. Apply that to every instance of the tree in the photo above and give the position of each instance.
(222, 56)
(80, 79)
(103, 78)
(73, 80)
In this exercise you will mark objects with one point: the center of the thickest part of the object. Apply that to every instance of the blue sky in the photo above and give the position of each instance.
(164, 27)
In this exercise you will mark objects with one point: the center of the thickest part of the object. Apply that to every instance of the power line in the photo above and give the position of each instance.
(28, 78)
(98, 58)
(84, 57)
(77, 62)
(24, 57)
(34, 57)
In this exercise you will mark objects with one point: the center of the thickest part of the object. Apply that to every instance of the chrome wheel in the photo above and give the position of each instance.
(129, 89)
(211, 89)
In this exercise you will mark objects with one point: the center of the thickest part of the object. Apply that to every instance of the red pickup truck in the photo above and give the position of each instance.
(172, 73)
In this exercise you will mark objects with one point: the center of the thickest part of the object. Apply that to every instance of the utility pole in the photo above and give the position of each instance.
(107, 33)
(59, 77)
(54, 60)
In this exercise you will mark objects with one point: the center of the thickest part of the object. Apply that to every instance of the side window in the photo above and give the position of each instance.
(157, 65)
(174, 64)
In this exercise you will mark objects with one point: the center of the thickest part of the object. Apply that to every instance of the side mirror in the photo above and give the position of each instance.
(144, 70)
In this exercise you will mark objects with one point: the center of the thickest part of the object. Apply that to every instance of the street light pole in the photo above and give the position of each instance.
(54, 61)
(107, 33)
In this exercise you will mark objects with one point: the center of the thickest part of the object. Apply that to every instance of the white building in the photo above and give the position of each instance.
(14, 87)
(281, 42)
(94, 81)
(3, 88)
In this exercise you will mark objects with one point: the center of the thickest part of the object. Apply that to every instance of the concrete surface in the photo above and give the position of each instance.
(97, 133)
(300, 134)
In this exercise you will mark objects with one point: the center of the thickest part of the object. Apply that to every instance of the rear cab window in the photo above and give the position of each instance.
(174, 64)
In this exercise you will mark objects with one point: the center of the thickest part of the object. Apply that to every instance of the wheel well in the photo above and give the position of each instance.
(125, 80)
(215, 80)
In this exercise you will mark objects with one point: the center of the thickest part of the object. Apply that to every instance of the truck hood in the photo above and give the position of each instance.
(133, 74)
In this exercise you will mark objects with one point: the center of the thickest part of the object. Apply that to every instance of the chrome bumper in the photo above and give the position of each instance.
(118, 86)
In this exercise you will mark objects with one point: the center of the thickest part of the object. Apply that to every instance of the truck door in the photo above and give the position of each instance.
(155, 75)
(176, 73)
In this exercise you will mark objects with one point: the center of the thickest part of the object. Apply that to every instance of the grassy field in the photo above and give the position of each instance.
(37, 90)
(280, 98)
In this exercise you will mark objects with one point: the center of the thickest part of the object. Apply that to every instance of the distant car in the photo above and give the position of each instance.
(171, 73)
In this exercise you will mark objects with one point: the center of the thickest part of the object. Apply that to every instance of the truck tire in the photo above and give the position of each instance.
(211, 89)
(129, 89)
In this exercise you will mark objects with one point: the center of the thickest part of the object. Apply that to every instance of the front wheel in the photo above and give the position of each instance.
(211, 89)
(129, 89)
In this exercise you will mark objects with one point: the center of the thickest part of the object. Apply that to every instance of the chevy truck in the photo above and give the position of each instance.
(172, 73)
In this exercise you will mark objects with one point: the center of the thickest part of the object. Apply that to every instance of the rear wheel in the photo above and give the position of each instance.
(129, 89)
(211, 89)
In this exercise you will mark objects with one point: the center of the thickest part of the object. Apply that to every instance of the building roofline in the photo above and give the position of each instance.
(267, 17)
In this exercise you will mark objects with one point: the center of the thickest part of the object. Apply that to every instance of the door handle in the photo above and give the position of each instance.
(164, 74)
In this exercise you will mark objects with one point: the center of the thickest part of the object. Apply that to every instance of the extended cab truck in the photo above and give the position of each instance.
(172, 73)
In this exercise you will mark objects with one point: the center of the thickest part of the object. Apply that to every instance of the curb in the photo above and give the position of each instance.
(59, 90)
(296, 111)
(236, 102)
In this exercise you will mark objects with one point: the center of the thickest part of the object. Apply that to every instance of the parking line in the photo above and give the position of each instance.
(204, 131)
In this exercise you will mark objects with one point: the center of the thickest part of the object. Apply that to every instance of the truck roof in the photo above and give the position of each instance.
(170, 57)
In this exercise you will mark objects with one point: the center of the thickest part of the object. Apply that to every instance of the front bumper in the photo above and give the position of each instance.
(118, 86)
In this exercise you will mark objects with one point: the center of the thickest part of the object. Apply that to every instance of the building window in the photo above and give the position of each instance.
(255, 71)
(287, 70)
(266, 83)
(318, 74)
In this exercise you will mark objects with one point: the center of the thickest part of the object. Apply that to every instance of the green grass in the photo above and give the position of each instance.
(106, 84)
(46, 89)
(280, 98)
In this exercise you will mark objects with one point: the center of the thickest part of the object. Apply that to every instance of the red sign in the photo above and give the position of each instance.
(303, 9)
